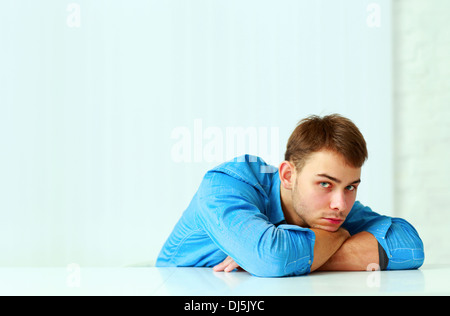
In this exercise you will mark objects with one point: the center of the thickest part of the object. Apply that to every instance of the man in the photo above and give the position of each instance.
(297, 219)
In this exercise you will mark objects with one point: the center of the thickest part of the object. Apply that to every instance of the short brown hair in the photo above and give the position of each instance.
(333, 132)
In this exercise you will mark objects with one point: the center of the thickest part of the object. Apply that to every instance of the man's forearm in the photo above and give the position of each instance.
(326, 245)
(355, 254)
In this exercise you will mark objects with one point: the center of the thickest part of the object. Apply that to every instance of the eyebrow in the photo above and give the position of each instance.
(336, 180)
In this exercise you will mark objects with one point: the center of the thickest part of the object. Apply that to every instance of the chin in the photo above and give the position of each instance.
(331, 229)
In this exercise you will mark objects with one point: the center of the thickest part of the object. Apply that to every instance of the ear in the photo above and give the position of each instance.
(287, 174)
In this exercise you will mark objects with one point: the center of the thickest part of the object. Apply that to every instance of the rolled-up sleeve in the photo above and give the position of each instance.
(240, 230)
(399, 239)
(405, 246)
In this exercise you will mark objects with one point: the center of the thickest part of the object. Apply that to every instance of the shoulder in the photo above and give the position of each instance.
(245, 172)
(250, 169)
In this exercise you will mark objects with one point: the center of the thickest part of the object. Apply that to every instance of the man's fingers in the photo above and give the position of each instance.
(233, 265)
(227, 265)
(220, 267)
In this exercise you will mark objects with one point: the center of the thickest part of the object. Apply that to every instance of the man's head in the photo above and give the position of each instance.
(333, 132)
(321, 171)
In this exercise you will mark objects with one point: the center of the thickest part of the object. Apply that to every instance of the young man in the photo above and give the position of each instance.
(294, 220)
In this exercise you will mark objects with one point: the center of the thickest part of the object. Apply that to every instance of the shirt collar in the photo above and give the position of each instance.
(275, 211)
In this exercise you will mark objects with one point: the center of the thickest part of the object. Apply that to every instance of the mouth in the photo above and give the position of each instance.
(334, 221)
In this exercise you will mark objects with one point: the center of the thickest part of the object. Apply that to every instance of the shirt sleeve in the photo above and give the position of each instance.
(399, 239)
(229, 212)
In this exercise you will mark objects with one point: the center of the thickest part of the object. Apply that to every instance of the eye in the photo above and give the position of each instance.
(351, 188)
(325, 184)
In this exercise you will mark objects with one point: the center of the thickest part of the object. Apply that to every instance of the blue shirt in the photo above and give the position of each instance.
(237, 212)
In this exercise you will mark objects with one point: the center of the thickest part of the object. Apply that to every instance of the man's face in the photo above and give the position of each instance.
(324, 190)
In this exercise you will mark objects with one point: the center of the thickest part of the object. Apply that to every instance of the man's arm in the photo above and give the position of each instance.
(397, 239)
(326, 244)
(355, 254)
(228, 211)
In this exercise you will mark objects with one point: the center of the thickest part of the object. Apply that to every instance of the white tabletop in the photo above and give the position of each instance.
(428, 280)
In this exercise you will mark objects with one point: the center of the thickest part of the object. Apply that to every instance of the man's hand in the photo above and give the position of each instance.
(227, 265)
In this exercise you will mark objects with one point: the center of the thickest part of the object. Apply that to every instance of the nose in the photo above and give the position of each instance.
(337, 202)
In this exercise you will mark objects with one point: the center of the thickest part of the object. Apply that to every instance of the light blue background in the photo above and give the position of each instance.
(87, 113)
